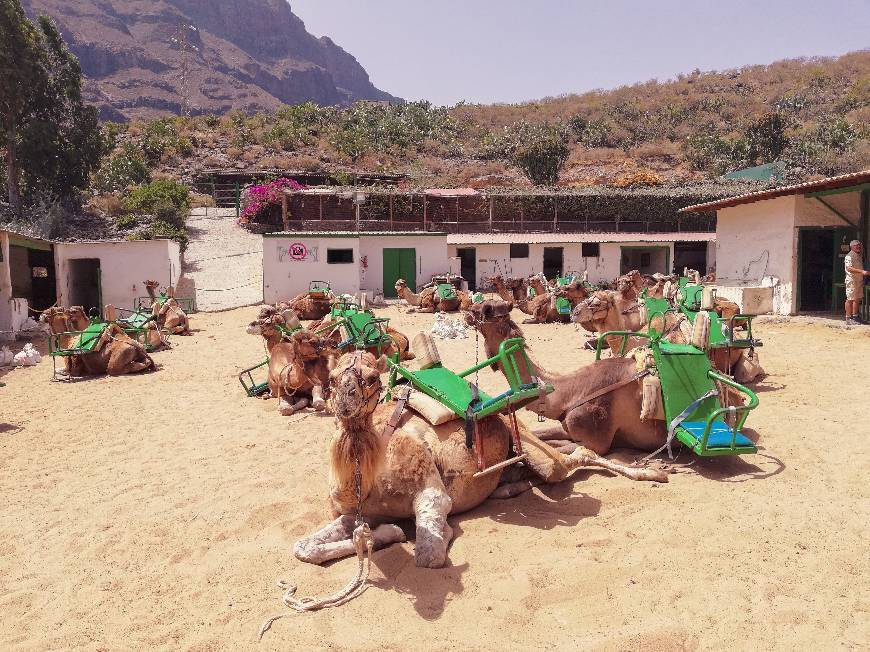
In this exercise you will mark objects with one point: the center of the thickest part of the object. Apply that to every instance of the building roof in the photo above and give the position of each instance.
(568, 238)
(831, 183)
(451, 192)
(768, 171)
(350, 234)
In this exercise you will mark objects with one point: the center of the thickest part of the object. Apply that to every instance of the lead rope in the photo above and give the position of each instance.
(363, 543)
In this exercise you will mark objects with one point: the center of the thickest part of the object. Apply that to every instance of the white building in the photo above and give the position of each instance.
(604, 256)
(782, 250)
(351, 262)
(36, 273)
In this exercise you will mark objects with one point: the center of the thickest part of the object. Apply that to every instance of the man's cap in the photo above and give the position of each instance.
(854, 242)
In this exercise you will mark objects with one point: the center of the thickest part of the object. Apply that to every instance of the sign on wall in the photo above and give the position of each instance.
(297, 252)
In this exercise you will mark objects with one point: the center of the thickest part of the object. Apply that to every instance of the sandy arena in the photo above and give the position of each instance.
(158, 511)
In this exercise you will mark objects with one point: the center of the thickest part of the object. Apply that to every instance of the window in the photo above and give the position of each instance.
(519, 251)
(339, 256)
(590, 249)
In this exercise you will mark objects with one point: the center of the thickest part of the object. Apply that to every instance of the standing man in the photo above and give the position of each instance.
(855, 274)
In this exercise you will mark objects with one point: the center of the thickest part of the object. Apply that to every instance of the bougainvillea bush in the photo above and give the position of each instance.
(262, 202)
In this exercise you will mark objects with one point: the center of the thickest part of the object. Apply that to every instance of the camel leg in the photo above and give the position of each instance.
(585, 457)
(287, 409)
(317, 401)
(431, 507)
(334, 541)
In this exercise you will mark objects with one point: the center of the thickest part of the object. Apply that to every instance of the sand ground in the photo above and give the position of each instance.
(157, 511)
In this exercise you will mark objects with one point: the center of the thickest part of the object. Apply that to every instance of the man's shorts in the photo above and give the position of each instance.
(854, 290)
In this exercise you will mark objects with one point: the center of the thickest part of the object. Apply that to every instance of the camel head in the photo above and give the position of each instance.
(355, 384)
(592, 310)
(310, 347)
(492, 319)
(401, 285)
(56, 319)
(266, 323)
(77, 318)
(150, 286)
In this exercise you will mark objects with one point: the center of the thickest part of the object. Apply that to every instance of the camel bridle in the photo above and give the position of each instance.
(367, 390)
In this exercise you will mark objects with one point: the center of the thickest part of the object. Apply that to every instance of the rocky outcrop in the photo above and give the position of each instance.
(146, 57)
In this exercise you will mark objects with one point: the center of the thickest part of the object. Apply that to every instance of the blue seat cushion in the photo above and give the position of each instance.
(720, 434)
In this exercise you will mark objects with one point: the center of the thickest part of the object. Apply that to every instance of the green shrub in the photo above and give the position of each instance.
(161, 229)
(125, 222)
(121, 170)
(146, 198)
(539, 151)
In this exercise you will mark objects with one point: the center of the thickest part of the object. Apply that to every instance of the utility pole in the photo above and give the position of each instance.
(182, 42)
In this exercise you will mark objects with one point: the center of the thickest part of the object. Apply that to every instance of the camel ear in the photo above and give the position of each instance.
(381, 364)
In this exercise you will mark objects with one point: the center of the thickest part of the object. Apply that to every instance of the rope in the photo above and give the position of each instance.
(227, 289)
(672, 428)
(363, 543)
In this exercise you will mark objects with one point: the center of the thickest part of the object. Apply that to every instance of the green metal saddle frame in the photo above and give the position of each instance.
(187, 304)
(465, 400)
(257, 386)
(446, 291)
(692, 411)
(362, 328)
(85, 343)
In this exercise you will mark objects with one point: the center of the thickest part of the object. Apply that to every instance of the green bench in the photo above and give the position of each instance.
(465, 400)
(690, 398)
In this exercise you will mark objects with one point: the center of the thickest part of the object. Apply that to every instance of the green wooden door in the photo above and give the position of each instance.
(399, 263)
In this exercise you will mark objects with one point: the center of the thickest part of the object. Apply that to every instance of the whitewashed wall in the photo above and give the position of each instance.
(757, 240)
(123, 266)
(431, 251)
(286, 273)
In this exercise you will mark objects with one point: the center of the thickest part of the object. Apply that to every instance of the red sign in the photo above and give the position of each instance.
(297, 251)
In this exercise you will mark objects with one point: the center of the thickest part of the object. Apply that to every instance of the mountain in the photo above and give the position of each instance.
(143, 58)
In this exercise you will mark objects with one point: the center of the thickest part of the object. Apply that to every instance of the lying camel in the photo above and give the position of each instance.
(417, 471)
(621, 310)
(428, 300)
(115, 353)
(299, 363)
(335, 336)
(512, 289)
(542, 307)
(152, 336)
(309, 306)
(169, 315)
(608, 421)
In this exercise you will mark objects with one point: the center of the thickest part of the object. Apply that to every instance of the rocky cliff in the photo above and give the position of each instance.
(148, 57)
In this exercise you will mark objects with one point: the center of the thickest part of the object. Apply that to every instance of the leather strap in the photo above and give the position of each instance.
(605, 390)
(396, 416)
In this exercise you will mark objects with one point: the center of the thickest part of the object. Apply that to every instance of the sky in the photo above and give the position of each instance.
(486, 51)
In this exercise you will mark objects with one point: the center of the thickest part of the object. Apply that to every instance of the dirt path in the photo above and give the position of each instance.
(158, 511)
(223, 262)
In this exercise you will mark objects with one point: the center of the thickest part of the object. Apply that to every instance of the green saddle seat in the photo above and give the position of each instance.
(138, 319)
(563, 306)
(91, 335)
(446, 291)
(445, 387)
(720, 436)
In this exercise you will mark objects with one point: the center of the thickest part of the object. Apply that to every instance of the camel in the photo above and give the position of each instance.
(428, 300)
(542, 307)
(169, 315)
(399, 340)
(299, 363)
(152, 336)
(608, 421)
(309, 306)
(115, 353)
(418, 471)
(512, 289)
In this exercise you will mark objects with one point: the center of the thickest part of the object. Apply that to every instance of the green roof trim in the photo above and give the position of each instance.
(351, 234)
(767, 172)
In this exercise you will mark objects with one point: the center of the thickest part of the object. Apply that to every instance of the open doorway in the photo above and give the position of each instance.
(468, 265)
(692, 255)
(84, 283)
(647, 260)
(31, 269)
(553, 261)
(816, 267)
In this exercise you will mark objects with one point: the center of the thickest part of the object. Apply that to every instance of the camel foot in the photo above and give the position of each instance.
(585, 457)
(287, 409)
(335, 541)
(511, 489)
(318, 404)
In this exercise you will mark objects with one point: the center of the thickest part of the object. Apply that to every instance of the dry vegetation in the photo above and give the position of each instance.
(812, 113)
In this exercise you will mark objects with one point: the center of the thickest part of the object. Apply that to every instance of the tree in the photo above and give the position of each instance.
(22, 76)
(766, 138)
(539, 151)
(51, 136)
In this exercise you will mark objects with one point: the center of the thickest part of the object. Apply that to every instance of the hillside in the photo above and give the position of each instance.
(813, 114)
(144, 58)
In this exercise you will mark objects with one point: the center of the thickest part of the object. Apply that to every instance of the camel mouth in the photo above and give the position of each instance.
(253, 329)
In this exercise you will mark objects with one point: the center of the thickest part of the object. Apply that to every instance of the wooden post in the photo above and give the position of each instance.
(321, 207)
(424, 211)
(491, 200)
(555, 214)
(391, 210)
(457, 214)
(285, 216)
